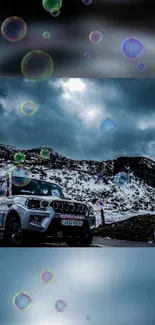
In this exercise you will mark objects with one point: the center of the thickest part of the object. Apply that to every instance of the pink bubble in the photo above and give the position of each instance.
(95, 37)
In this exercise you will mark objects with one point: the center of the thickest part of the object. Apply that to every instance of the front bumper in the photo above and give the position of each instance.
(50, 224)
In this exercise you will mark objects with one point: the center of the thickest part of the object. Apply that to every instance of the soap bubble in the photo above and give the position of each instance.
(45, 154)
(50, 5)
(132, 48)
(141, 66)
(108, 125)
(20, 175)
(87, 55)
(37, 66)
(14, 29)
(95, 37)
(47, 276)
(60, 305)
(100, 177)
(46, 35)
(87, 2)
(19, 157)
(55, 13)
(29, 108)
(65, 79)
(121, 179)
(23, 301)
(3, 192)
(99, 204)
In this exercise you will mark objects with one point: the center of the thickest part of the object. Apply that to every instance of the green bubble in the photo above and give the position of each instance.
(37, 66)
(47, 35)
(19, 157)
(49, 5)
(55, 13)
(45, 154)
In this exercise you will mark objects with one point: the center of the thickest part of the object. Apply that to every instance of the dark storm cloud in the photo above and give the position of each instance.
(70, 116)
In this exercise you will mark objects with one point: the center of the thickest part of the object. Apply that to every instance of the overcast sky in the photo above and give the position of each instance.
(113, 287)
(69, 116)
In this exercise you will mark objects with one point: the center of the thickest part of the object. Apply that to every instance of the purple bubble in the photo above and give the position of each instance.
(141, 66)
(87, 55)
(87, 2)
(47, 276)
(60, 305)
(132, 48)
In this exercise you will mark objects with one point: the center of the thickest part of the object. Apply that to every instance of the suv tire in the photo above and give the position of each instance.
(13, 233)
(14, 236)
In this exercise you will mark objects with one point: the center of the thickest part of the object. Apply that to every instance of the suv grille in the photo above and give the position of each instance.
(69, 207)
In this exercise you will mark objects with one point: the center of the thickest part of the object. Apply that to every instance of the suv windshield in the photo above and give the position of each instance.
(36, 187)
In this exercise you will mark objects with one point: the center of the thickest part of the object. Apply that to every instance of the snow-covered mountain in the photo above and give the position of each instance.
(79, 180)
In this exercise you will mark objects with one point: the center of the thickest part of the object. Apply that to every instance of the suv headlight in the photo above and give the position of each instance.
(37, 204)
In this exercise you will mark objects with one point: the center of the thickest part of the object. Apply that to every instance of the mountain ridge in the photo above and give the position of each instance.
(79, 179)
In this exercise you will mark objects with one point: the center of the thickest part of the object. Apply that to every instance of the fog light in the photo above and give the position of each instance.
(36, 220)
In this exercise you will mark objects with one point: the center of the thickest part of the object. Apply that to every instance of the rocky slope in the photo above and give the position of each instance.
(79, 179)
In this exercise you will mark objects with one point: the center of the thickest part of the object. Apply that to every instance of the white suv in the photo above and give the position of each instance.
(39, 212)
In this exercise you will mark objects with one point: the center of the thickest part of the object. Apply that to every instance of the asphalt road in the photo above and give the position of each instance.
(102, 242)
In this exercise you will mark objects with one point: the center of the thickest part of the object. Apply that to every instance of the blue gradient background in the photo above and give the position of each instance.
(113, 286)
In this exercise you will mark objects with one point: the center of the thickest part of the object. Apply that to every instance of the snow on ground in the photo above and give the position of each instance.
(120, 203)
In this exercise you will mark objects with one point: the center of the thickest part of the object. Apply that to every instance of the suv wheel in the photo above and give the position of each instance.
(13, 233)
(14, 236)
(81, 242)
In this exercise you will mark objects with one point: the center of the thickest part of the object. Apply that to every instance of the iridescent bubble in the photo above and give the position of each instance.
(19, 157)
(29, 108)
(37, 66)
(88, 318)
(47, 276)
(55, 13)
(45, 154)
(50, 5)
(132, 48)
(87, 55)
(46, 35)
(23, 301)
(14, 29)
(99, 204)
(100, 177)
(108, 126)
(60, 305)
(20, 175)
(3, 192)
(141, 66)
(87, 2)
(65, 79)
(95, 37)
(121, 179)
